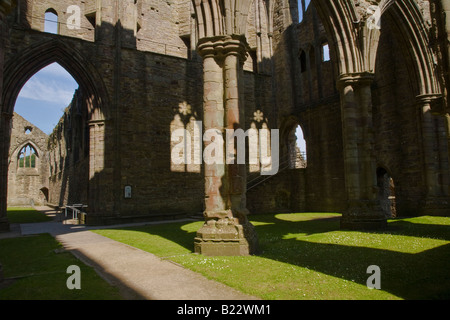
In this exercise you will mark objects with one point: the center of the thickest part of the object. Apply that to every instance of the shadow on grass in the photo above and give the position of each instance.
(420, 275)
(35, 268)
(27, 215)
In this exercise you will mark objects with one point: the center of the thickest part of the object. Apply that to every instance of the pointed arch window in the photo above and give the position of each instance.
(51, 24)
(302, 7)
(325, 52)
(27, 157)
(297, 149)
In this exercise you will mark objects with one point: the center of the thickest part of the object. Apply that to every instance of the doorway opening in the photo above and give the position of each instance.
(50, 115)
(297, 149)
(386, 192)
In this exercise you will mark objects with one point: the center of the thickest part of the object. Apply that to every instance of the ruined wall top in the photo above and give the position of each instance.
(148, 25)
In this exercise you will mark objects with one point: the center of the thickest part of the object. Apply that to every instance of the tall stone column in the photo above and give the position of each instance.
(234, 118)
(437, 201)
(428, 140)
(364, 210)
(5, 122)
(227, 230)
(5, 134)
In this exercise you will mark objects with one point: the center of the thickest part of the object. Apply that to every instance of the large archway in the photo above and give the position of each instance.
(386, 192)
(356, 49)
(92, 94)
(31, 60)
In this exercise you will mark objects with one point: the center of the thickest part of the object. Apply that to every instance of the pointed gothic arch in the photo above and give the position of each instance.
(27, 157)
(27, 143)
(96, 101)
(413, 28)
(35, 58)
(353, 46)
(221, 17)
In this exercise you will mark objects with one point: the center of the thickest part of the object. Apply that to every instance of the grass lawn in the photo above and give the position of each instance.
(307, 256)
(26, 215)
(35, 269)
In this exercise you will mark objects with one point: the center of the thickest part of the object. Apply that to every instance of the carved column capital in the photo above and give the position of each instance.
(221, 46)
(355, 79)
(434, 101)
(428, 98)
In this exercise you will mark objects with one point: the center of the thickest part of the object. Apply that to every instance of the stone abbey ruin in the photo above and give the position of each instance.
(367, 81)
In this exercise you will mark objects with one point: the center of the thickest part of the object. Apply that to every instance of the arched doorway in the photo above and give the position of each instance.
(297, 148)
(44, 98)
(90, 101)
(50, 103)
(44, 195)
(386, 193)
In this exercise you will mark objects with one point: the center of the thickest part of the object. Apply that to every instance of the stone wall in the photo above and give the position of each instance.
(317, 110)
(159, 93)
(27, 184)
(397, 122)
(147, 25)
(315, 76)
(68, 154)
(283, 192)
(325, 186)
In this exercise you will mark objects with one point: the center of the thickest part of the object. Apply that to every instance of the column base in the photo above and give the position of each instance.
(224, 237)
(4, 225)
(364, 215)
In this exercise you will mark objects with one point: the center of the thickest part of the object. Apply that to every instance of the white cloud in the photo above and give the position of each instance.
(48, 91)
(56, 71)
(44, 97)
(53, 84)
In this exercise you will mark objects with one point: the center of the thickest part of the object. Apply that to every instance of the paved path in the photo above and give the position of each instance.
(138, 274)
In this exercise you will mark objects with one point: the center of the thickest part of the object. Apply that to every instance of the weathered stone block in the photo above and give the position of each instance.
(223, 237)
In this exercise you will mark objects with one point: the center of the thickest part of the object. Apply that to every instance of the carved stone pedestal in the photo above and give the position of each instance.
(226, 237)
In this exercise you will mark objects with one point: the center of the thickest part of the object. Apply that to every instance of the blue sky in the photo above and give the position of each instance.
(301, 143)
(44, 97)
(300, 12)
